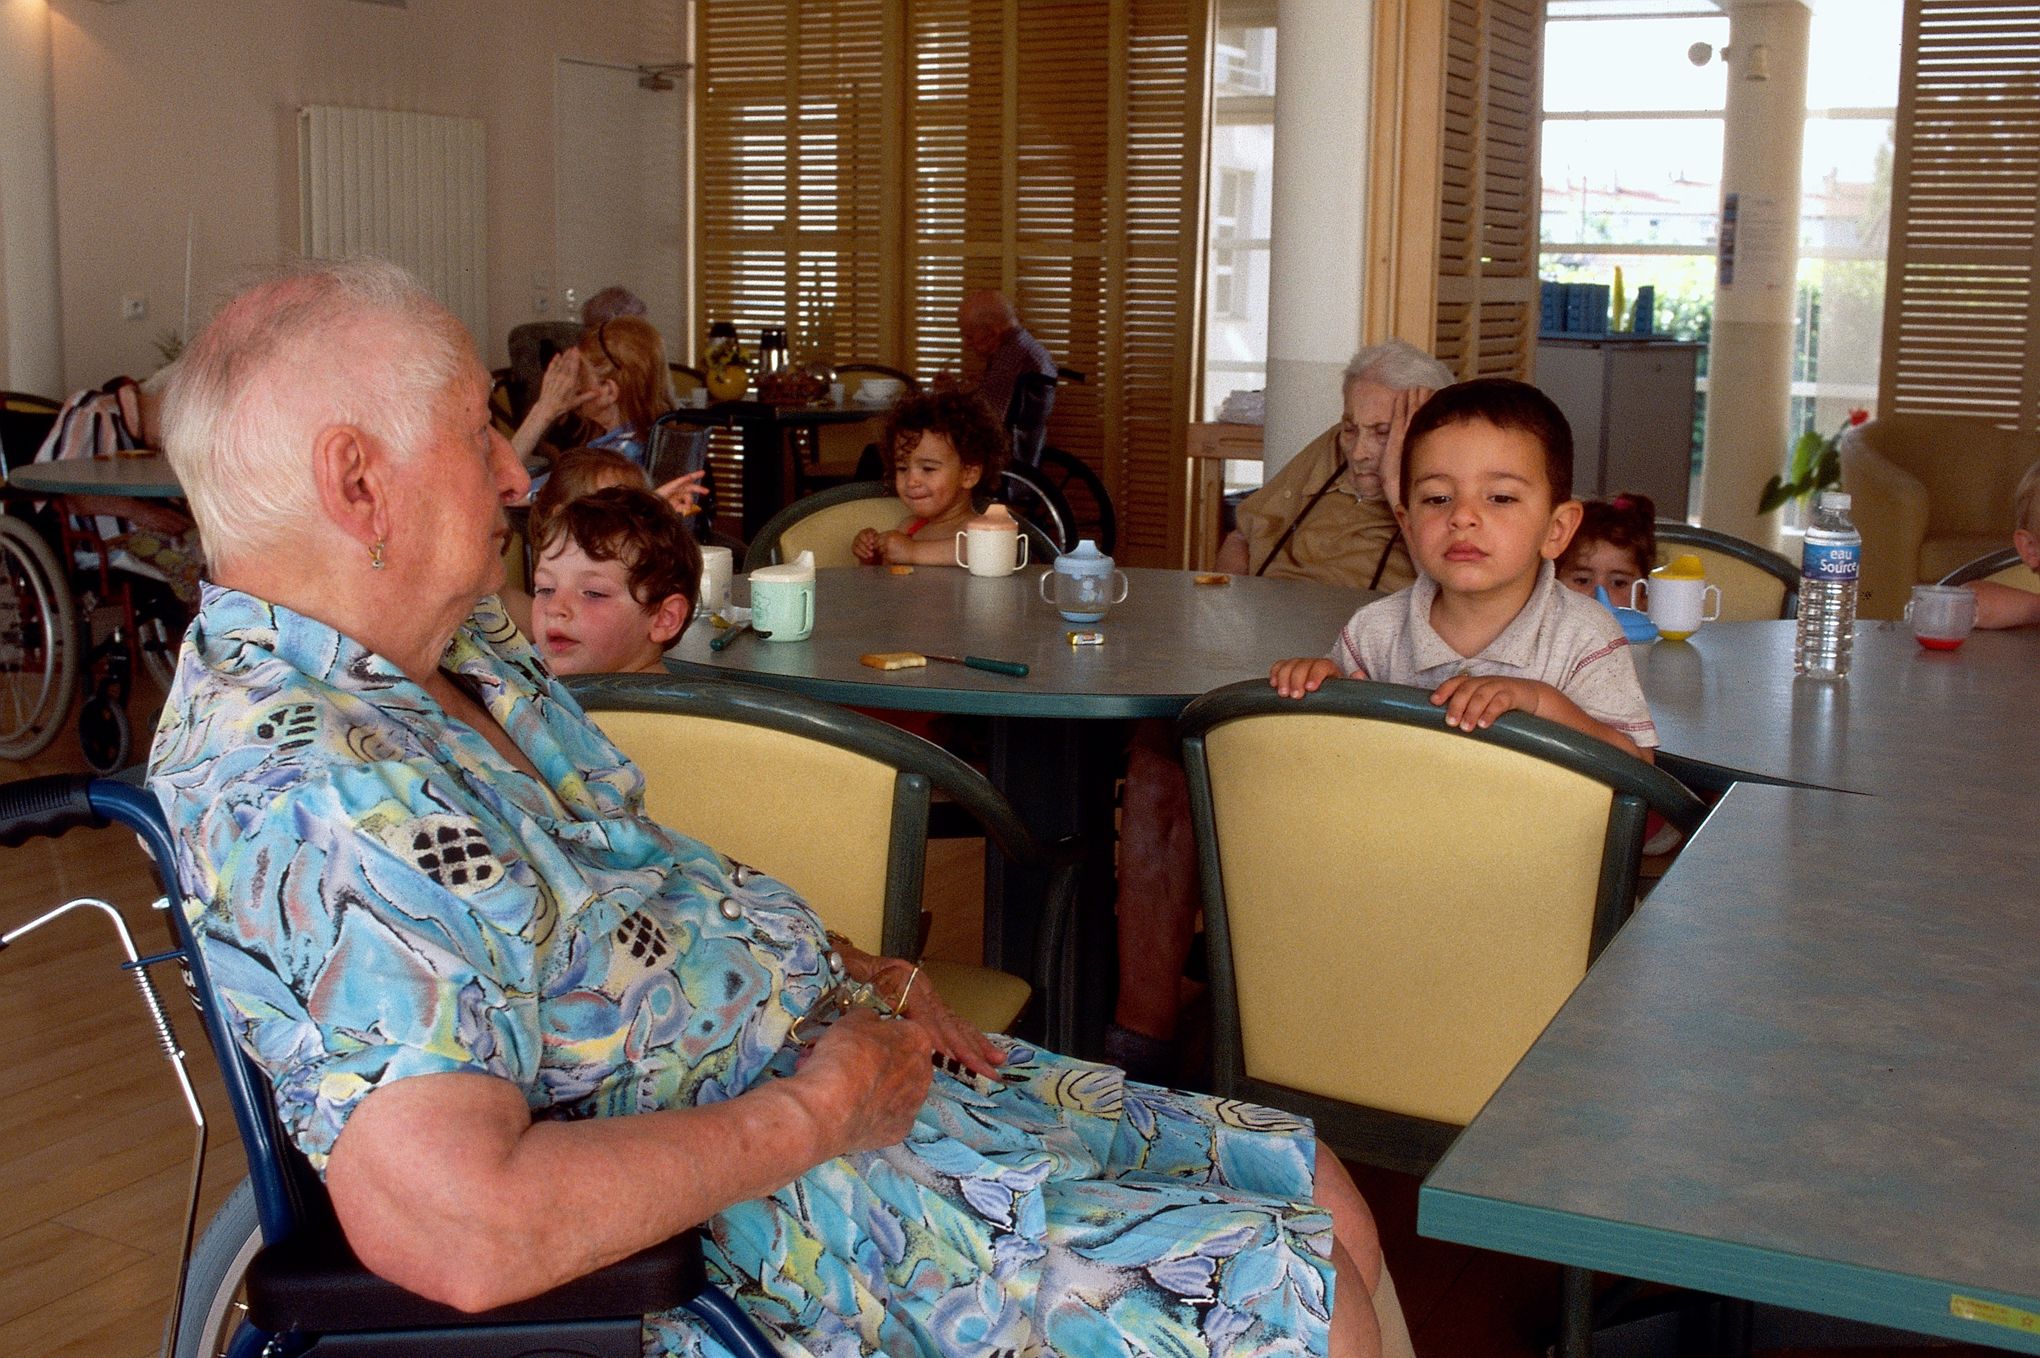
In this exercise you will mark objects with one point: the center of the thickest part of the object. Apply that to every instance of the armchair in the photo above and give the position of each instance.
(1931, 492)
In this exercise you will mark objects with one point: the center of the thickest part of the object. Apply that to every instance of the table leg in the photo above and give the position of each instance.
(764, 473)
(1060, 776)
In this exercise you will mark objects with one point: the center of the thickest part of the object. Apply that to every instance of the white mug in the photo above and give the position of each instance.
(716, 567)
(1677, 607)
(990, 551)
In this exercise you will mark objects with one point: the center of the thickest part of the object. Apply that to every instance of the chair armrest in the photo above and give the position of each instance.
(314, 1283)
(1890, 510)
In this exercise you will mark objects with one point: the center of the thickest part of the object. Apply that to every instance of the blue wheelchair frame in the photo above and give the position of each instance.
(307, 1293)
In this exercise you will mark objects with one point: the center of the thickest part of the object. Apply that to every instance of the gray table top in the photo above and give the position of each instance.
(1804, 1073)
(145, 478)
(1932, 725)
(1170, 641)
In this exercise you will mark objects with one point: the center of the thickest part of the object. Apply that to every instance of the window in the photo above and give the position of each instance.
(1232, 271)
(1242, 176)
(1632, 159)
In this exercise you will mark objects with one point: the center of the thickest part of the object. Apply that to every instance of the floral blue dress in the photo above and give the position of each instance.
(380, 895)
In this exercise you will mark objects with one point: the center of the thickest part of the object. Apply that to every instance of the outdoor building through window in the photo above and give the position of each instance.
(1242, 176)
(1632, 153)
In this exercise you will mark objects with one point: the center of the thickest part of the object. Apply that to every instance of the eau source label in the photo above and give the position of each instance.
(1831, 560)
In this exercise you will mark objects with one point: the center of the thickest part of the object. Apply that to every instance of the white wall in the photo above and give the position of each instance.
(172, 107)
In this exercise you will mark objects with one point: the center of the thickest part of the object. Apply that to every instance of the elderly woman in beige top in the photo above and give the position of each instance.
(1327, 515)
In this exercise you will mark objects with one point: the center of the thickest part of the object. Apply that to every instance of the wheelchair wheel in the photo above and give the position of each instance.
(213, 1304)
(105, 732)
(1083, 491)
(1033, 499)
(39, 642)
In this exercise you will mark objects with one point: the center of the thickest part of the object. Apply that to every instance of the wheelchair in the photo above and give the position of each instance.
(272, 1275)
(73, 623)
(1046, 485)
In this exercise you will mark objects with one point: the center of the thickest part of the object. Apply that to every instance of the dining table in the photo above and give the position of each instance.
(1806, 1072)
(763, 427)
(1058, 735)
(144, 476)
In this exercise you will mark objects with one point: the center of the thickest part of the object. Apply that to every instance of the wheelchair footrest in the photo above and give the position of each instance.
(313, 1284)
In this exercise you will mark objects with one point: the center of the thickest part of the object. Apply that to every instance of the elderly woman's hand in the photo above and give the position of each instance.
(865, 1079)
(955, 1039)
(1407, 403)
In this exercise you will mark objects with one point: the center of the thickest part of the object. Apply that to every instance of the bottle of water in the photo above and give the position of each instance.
(1827, 590)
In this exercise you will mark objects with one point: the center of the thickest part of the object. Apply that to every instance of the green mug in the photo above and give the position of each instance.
(783, 599)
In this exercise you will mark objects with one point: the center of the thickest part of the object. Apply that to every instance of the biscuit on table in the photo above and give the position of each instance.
(1214, 579)
(900, 570)
(894, 660)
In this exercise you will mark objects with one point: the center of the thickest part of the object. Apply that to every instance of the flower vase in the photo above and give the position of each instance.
(727, 384)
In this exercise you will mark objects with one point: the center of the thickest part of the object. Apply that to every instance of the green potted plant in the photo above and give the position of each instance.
(1815, 466)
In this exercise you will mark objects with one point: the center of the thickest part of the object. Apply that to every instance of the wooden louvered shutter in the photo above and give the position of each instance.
(1453, 185)
(1961, 325)
(1486, 324)
(793, 159)
(1056, 151)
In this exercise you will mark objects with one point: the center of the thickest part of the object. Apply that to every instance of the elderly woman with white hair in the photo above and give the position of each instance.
(1328, 515)
(523, 1031)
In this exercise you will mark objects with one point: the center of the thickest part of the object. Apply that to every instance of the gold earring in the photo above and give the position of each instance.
(375, 557)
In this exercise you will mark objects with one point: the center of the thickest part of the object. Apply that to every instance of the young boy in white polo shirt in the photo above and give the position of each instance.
(1487, 509)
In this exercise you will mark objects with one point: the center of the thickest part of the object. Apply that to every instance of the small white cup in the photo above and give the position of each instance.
(990, 551)
(696, 399)
(1942, 616)
(835, 393)
(717, 565)
(1677, 607)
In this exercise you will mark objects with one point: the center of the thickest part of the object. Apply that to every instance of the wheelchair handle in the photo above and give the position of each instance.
(46, 807)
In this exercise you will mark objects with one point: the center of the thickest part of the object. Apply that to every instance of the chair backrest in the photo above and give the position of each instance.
(831, 802)
(825, 523)
(854, 375)
(25, 421)
(828, 522)
(1394, 909)
(1969, 466)
(2002, 567)
(1757, 584)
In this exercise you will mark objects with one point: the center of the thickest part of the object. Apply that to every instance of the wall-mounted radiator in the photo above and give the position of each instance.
(407, 187)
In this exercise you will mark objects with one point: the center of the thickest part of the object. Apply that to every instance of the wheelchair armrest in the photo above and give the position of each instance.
(313, 1283)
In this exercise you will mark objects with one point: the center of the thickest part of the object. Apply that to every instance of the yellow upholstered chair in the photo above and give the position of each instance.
(834, 804)
(1385, 946)
(1930, 493)
(827, 522)
(1756, 583)
(1383, 950)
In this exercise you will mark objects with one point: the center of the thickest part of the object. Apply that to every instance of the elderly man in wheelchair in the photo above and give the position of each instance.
(516, 1034)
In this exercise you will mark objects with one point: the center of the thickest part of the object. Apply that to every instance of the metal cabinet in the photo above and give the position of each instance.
(1631, 404)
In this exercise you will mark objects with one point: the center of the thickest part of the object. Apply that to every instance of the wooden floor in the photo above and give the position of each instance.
(95, 1143)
